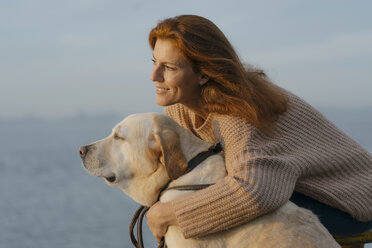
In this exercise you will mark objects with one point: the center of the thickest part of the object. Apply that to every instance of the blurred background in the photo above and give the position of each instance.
(70, 70)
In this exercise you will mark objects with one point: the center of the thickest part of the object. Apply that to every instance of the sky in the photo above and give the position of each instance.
(65, 58)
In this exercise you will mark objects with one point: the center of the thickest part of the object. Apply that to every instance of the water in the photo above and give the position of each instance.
(47, 198)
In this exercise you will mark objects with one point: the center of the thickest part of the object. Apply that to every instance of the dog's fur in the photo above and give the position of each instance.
(145, 151)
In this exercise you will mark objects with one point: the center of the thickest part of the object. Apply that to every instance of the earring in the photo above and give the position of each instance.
(204, 79)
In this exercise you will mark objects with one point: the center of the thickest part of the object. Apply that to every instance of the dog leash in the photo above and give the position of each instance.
(141, 211)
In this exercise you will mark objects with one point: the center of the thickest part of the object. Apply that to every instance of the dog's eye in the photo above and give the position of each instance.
(116, 136)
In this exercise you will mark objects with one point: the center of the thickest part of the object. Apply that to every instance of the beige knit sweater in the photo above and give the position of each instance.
(309, 155)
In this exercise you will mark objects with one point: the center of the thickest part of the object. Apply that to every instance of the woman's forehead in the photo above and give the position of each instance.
(166, 51)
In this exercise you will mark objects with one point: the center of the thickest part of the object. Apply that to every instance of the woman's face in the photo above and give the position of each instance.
(174, 77)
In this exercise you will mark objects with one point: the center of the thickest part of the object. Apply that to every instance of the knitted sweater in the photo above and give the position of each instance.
(308, 154)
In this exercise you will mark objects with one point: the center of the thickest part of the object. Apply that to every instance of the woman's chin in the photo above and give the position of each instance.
(163, 102)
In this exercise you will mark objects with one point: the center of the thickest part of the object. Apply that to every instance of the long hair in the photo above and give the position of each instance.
(233, 88)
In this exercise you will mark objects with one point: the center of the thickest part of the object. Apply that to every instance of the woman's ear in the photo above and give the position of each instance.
(203, 79)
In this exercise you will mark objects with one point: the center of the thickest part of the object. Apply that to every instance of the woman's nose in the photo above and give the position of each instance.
(157, 74)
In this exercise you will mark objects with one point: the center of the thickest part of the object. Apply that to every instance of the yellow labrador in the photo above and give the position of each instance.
(145, 151)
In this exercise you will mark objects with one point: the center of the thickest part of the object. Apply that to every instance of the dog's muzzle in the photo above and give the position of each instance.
(83, 153)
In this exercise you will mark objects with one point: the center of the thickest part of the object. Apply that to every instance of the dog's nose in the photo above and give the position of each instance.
(83, 151)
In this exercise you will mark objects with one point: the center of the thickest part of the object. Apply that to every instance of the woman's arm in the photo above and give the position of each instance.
(251, 188)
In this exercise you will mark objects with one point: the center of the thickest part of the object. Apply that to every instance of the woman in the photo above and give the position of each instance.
(277, 147)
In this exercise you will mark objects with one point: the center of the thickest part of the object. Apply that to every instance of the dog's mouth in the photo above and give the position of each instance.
(111, 179)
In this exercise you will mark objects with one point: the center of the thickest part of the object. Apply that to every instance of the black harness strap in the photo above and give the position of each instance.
(141, 211)
(189, 187)
(203, 156)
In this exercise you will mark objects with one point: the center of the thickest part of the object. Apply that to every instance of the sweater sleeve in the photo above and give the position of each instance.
(308, 153)
(258, 182)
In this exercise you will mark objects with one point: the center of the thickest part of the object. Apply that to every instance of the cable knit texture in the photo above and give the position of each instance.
(308, 154)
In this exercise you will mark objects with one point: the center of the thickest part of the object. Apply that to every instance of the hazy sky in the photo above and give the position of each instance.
(61, 58)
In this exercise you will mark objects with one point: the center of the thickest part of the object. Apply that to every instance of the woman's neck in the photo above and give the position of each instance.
(197, 106)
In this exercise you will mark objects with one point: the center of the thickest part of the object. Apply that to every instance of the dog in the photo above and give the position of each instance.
(145, 151)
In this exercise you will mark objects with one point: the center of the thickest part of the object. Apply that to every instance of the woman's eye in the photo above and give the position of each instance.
(169, 68)
(166, 67)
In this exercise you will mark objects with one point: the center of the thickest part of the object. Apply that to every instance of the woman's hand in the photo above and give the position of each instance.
(159, 217)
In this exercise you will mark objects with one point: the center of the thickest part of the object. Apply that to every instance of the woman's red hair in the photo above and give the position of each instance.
(232, 89)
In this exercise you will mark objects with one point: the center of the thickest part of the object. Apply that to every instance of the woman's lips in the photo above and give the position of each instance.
(160, 90)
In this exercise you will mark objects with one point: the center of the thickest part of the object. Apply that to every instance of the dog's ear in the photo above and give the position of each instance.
(166, 144)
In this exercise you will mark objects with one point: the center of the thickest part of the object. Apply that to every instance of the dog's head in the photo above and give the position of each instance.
(141, 155)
